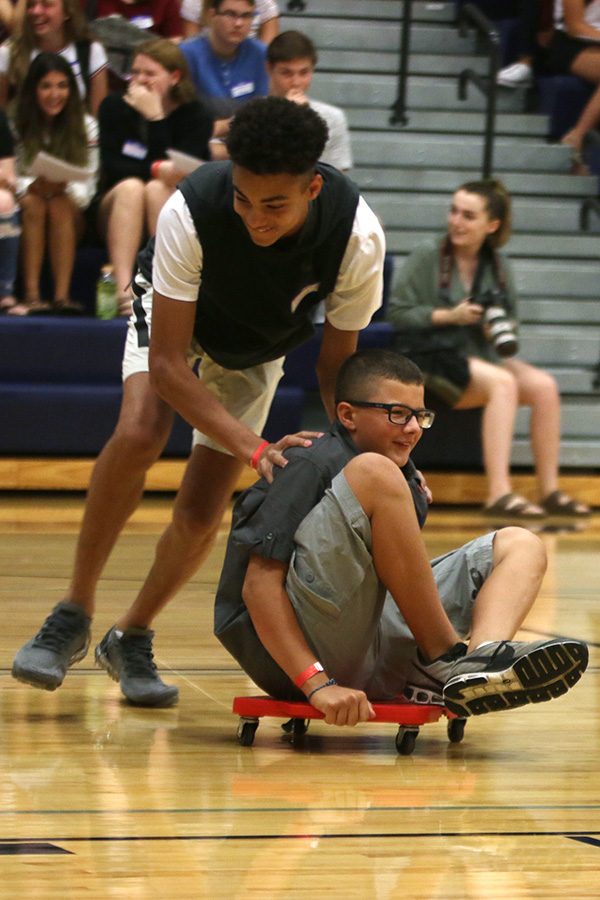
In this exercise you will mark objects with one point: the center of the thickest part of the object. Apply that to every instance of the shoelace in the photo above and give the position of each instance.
(138, 659)
(58, 629)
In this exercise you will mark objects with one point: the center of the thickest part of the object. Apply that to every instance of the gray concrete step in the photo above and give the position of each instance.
(567, 345)
(541, 277)
(384, 37)
(559, 310)
(457, 151)
(366, 118)
(522, 244)
(424, 92)
(383, 9)
(550, 216)
(426, 180)
(442, 64)
(580, 417)
(576, 453)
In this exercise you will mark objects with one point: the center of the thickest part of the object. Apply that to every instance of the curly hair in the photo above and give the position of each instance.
(273, 136)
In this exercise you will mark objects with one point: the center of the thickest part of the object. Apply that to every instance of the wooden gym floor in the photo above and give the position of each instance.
(102, 800)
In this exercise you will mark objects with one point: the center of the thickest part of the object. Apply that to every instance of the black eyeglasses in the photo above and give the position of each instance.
(398, 414)
(233, 16)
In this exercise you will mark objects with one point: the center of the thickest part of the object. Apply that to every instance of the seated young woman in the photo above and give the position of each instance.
(159, 112)
(55, 26)
(50, 117)
(9, 217)
(440, 308)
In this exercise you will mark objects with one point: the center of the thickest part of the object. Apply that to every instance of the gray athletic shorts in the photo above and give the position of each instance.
(245, 393)
(348, 618)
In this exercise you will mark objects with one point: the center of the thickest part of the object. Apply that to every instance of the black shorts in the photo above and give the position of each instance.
(563, 50)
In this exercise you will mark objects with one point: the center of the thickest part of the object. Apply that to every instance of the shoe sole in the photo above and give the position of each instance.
(36, 679)
(545, 673)
(104, 662)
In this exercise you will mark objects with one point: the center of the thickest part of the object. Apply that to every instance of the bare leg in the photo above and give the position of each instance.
(494, 389)
(587, 66)
(33, 243)
(64, 224)
(121, 220)
(507, 595)
(117, 483)
(381, 489)
(208, 484)
(538, 390)
(156, 195)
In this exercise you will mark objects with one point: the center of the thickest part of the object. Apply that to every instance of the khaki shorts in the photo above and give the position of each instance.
(348, 618)
(246, 394)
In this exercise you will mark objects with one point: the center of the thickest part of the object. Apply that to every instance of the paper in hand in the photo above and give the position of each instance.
(54, 169)
(183, 162)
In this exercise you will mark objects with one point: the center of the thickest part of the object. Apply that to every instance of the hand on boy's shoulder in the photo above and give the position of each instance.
(272, 455)
(343, 706)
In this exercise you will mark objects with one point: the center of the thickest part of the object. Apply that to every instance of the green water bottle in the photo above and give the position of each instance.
(107, 305)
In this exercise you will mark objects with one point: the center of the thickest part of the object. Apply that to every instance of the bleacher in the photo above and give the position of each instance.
(60, 378)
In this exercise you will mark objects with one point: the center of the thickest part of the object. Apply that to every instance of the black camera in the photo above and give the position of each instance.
(498, 328)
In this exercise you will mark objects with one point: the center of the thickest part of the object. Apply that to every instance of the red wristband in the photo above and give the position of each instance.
(256, 455)
(308, 673)
(155, 167)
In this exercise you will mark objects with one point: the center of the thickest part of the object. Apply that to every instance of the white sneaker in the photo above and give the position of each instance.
(516, 75)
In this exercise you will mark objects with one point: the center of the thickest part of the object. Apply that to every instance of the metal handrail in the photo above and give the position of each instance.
(399, 107)
(470, 16)
(589, 205)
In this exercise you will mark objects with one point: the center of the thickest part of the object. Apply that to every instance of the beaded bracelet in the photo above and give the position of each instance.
(329, 683)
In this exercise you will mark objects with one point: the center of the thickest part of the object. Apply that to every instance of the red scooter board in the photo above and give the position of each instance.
(408, 716)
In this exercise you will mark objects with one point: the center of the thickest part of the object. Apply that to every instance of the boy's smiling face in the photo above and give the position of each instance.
(371, 428)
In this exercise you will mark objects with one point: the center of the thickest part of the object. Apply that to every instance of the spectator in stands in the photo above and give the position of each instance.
(438, 308)
(533, 32)
(50, 117)
(160, 112)
(244, 251)
(265, 24)
(55, 26)
(291, 61)
(160, 17)
(575, 48)
(9, 218)
(227, 66)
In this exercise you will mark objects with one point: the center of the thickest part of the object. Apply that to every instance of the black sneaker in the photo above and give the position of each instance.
(62, 640)
(425, 680)
(507, 674)
(127, 657)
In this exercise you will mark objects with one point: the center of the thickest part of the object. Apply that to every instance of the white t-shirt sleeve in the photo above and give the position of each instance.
(359, 287)
(98, 58)
(191, 10)
(177, 263)
(267, 10)
(4, 57)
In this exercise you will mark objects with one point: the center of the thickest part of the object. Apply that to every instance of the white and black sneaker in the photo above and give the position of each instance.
(425, 680)
(507, 674)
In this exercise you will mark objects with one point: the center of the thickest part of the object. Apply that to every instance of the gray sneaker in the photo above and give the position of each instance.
(508, 674)
(425, 680)
(62, 640)
(127, 657)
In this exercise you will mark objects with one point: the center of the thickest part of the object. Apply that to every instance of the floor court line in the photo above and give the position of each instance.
(228, 810)
(375, 835)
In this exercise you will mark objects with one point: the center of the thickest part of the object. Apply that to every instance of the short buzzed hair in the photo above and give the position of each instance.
(291, 45)
(358, 372)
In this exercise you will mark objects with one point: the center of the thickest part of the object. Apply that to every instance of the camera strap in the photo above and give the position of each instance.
(487, 256)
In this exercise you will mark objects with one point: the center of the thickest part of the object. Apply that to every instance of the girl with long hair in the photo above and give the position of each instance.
(442, 310)
(55, 26)
(50, 117)
(159, 112)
